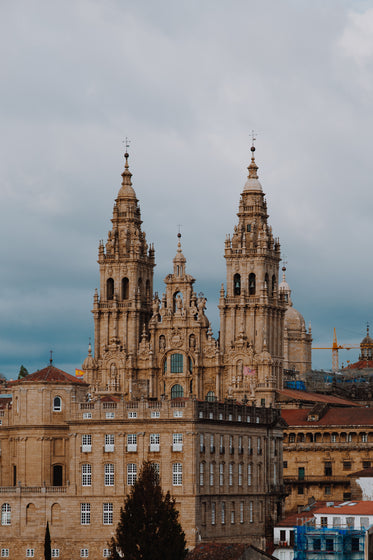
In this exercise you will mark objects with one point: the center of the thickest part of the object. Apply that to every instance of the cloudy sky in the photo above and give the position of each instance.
(186, 81)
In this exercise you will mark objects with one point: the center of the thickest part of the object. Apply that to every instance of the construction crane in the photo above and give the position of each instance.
(335, 348)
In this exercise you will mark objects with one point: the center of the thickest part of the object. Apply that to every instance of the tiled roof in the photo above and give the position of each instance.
(335, 416)
(50, 374)
(360, 364)
(352, 508)
(314, 397)
(364, 473)
(109, 398)
(295, 518)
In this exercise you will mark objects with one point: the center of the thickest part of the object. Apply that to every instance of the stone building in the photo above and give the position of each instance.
(158, 386)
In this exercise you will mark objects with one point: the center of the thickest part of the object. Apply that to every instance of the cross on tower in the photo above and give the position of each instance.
(253, 138)
(126, 143)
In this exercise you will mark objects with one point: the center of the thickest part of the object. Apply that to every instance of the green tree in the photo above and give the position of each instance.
(22, 372)
(148, 528)
(47, 544)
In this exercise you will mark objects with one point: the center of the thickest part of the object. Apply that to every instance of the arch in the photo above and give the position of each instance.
(56, 514)
(177, 301)
(309, 437)
(252, 284)
(57, 404)
(266, 282)
(57, 475)
(30, 514)
(273, 287)
(109, 289)
(177, 391)
(125, 288)
(237, 284)
(210, 397)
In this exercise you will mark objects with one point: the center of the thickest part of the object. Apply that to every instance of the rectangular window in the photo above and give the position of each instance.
(203, 513)
(177, 474)
(6, 511)
(201, 443)
(221, 474)
(240, 474)
(249, 474)
(230, 472)
(201, 474)
(155, 414)
(364, 438)
(106, 553)
(110, 415)
(220, 416)
(213, 513)
(154, 442)
(249, 446)
(251, 512)
(30, 552)
(346, 465)
(329, 545)
(355, 544)
(87, 415)
(233, 515)
(211, 415)
(231, 448)
(240, 448)
(327, 490)
(177, 363)
(221, 446)
(212, 444)
(336, 521)
(84, 553)
(132, 414)
(350, 522)
(86, 443)
(178, 413)
(131, 474)
(301, 473)
(87, 475)
(55, 552)
(366, 464)
(364, 522)
(285, 464)
(5, 553)
(324, 522)
(300, 490)
(177, 442)
(241, 512)
(316, 544)
(85, 514)
(223, 513)
(109, 474)
(109, 443)
(107, 514)
(132, 443)
(328, 471)
(259, 442)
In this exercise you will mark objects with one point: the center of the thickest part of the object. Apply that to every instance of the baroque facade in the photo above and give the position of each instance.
(158, 386)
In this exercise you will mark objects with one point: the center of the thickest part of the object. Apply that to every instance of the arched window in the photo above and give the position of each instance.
(177, 363)
(210, 397)
(177, 391)
(273, 285)
(252, 284)
(237, 284)
(57, 475)
(109, 288)
(30, 514)
(6, 512)
(57, 404)
(125, 288)
(266, 282)
(56, 514)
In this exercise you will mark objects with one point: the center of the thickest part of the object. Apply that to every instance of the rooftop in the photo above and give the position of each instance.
(49, 374)
(334, 416)
(314, 397)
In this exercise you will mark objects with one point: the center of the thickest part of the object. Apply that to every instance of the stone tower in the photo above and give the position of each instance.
(123, 305)
(251, 308)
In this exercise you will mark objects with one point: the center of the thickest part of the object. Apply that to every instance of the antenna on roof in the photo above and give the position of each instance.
(51, 357)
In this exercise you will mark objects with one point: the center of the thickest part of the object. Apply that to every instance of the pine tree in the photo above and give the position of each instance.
(47, 544)
(22, 372)
(148, 528)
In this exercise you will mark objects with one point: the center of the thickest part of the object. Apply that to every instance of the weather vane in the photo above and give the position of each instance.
(127, 143)
(253, 138)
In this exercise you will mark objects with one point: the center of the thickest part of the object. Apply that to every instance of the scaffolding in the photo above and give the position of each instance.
(319, 543)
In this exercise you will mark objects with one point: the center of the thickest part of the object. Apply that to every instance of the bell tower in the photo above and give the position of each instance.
(123, 304)
(251, 308)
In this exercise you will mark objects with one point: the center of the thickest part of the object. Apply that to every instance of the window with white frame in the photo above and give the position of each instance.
(132, 414)
(249, 474)
(177, 442)
(230, 417)
(221, 445)
(177, 474)
(221, 474)
(223, 513)
(220, 416)
(248, 419)
(106, 553)
(213, 513)
(240, 448)
(5, 553)
(201, 474)
(364, 438)
(86, 443)
(55, 553)
(201, 443)
(239, 418)
(231, 448)
(233, 514)
(109, 474)
(240, 466)
(155, 414)
(154, 442)
(6, 512)
(211, 474)
(156, 468)
(87, 415)
(109, 443)
(132, 442)
(86, 474)
(259, 442)
(107, 514)
(85, 514)
(251, 512)
(84, 552)
(178, 413)
(212, 444)
(110, 415)
(30, 552)
(57, 404)
(131, 474)
(230, 473)
(241, 512)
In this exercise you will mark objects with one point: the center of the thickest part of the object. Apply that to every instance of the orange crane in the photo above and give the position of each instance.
(335, 348)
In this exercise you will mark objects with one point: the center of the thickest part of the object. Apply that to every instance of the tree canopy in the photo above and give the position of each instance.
(22, 372)
(148, 528)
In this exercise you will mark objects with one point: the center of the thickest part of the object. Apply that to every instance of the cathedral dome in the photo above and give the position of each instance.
(89, 362)
(294, 320)
(252, 183)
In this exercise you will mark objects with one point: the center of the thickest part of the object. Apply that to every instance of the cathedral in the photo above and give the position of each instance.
(159, 387)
